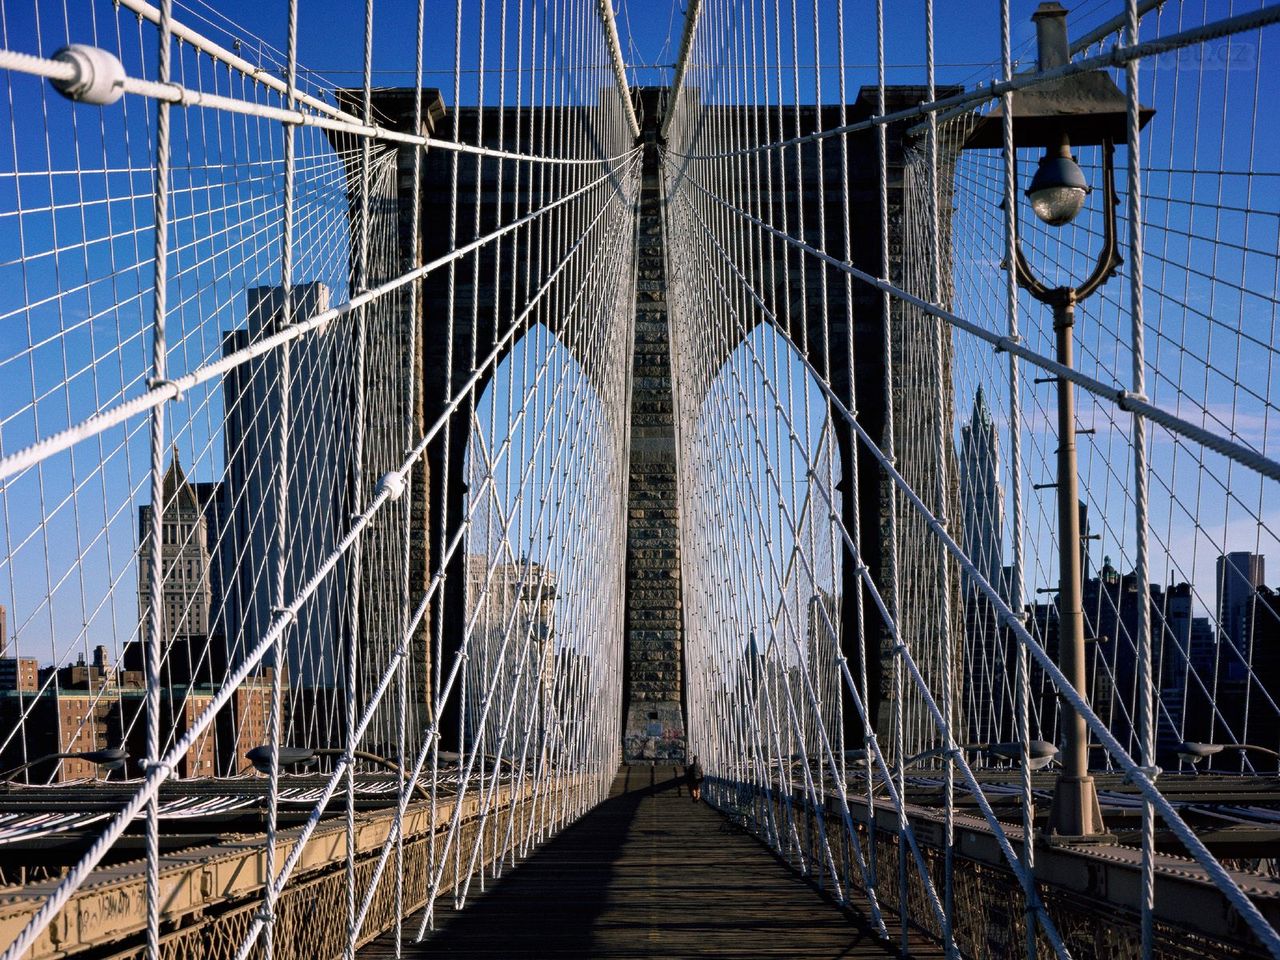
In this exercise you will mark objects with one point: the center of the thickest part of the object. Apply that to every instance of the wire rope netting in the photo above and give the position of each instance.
(315, 448)
(867, 391)
(313, 436)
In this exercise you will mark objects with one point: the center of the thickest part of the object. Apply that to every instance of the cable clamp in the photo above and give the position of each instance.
(148, 765)
(1151, 773)
(285, 612)
(1003, 344)
(1124, 398)
(159, 383)
(265, 917)
(181, 97)
(392, 484)
(99, 75)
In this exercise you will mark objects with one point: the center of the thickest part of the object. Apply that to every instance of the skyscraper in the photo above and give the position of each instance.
(317, 473)
(981, 500)
(1239, 576)
(186, 595)
(511, 612)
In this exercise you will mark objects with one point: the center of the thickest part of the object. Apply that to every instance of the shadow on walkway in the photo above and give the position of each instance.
(647, 873)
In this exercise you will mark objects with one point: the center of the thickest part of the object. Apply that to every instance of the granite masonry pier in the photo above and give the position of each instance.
(654, 722)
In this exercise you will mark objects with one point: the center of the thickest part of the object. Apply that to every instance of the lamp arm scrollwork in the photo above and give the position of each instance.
(1109, 259)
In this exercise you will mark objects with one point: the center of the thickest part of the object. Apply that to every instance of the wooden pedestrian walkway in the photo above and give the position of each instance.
(647, 874)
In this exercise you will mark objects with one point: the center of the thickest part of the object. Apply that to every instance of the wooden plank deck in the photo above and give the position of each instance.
(647, 874)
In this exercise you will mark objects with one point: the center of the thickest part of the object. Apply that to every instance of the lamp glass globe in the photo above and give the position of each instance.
(1057, 206)
(1058, 189)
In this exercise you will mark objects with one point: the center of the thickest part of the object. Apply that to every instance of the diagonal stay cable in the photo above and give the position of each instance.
(175, 386)
(1136, 774)
(1124, 399)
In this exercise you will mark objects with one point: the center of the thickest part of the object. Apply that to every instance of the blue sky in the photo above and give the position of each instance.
(82, 348)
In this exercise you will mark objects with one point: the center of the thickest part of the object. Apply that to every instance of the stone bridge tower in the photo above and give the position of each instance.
(653, 708)
(653, 721)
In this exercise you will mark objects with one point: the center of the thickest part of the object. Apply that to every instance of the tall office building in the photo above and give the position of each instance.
(186, 598)
(821, 650)
(981, 499)
(316, 465)
(511, 612)
(1239, 575)
(987, 653)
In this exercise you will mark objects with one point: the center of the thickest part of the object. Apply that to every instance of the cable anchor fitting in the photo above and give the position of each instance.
(392, 484)
(288, 612)
(99, 75)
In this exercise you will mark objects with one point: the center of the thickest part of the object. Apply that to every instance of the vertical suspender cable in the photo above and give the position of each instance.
(893, 593)
(356, 585)
(407, 664)
(1022, 679)
(941, 422)
(155, 584)
(446, 440)
(280, 596)
(1146, 729)
(854, 481)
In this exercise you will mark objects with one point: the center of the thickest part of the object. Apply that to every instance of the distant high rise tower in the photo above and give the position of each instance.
(1240, 574)
(981, 500)
(318, 454)
(186, 595)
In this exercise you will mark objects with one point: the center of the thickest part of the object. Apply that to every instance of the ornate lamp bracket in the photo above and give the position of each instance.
(1063, 299)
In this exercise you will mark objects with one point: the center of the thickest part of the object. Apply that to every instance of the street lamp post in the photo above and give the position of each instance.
(260, 757)
(1193, 752)
(1040, 753)
(1079, 109)
(109, 758)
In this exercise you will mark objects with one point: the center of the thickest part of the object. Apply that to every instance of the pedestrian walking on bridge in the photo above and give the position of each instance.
(693, 777)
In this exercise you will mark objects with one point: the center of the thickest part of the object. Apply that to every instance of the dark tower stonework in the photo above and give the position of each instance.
(654, 726)
(652, 711)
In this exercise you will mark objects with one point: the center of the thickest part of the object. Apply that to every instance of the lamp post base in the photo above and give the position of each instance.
(1075, 816)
